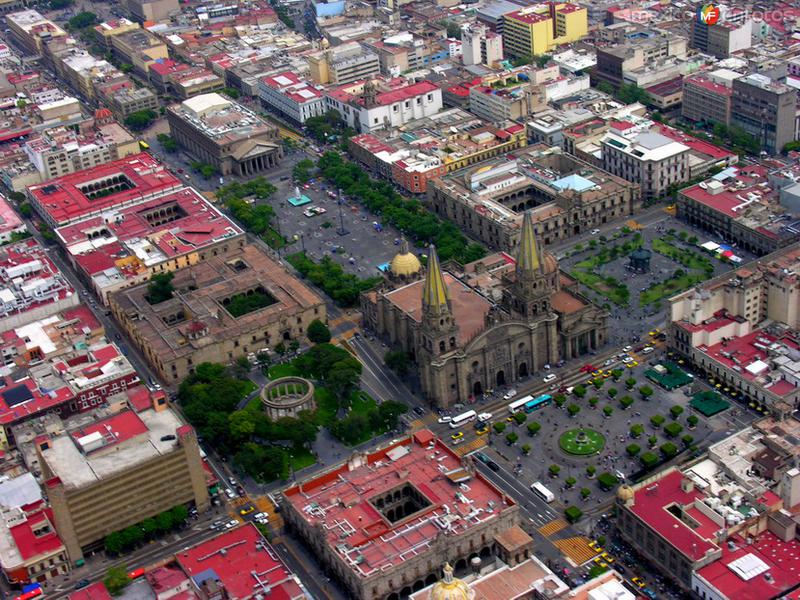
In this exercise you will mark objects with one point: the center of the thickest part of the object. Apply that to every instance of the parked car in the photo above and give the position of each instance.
(509, 394)
(445, 419)
(550, 377)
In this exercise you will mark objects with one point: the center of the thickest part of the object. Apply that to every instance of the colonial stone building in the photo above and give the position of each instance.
(486, 324)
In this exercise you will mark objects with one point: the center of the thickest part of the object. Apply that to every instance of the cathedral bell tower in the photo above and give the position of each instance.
(439, 330)
(536, 277)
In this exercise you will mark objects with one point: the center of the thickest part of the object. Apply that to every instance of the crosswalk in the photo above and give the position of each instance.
(552, 527)
(468, 447)
(576, 549)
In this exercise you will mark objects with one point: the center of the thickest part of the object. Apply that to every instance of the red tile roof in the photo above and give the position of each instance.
(405, 93)
(30, 545)
(116, 429)
(96, 591)
(704, 82)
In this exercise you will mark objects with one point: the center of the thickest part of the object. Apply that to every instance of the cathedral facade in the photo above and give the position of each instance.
(484, 325)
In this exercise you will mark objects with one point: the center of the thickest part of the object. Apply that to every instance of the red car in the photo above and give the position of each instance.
(587, 368)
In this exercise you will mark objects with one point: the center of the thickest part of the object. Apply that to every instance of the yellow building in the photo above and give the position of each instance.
(538, 29)
(108, 29)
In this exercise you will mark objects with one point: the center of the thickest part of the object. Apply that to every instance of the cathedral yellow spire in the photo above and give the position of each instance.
(434, 293)
(528, 257)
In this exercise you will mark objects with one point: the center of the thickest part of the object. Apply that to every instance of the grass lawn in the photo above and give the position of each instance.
(671, 286)
(326, 407)
(689, 259)
(284, 370)
(301, 458)
(274, 239)
(617, 292)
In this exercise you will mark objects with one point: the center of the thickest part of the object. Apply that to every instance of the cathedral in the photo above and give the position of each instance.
(489, 323)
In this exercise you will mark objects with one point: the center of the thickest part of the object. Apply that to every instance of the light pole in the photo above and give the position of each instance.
(341, 231)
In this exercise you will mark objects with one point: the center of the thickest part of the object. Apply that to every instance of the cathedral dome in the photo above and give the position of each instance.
(405, 263)
(450, 588)
(625, 493)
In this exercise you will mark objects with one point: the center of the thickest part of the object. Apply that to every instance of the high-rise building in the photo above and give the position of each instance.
(707, 96)
(479, 46)
(535, 30)
(766, 109)
(733, 32)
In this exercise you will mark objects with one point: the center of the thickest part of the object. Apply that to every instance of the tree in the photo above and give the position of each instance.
(453, 29)
(164, 521)
(60, 4)
(26, 210)
(573, 409)
(636, 430)
(585, 493)
(633, 449)
(676, 411)
(167, 142)
(590, 471)
(81, 20)
(206, 170)
(669, 450)
(559, 400)
(397, 361)
(512, 438)
(141, 119)
(608, 411)
(607, 481)
(646, 391)
(526, 449)
(657, 421)
(520, 417)
(342, 381)
(687, 440)
(116, 580)
(114, 543)
(302, 170)
(692, 420)
(652, 441)
(231, 92)
(630, 382)
(241, 425)
(573, 514)
(160, 287)
(541, 60)
(606, 88)
(594, 401)
(318, 332)
(499, 427)
(570, 482)
(625, 402)
(598, 382)
(579, 391)
(616, 374)
(149, 527)
(179, 514)
(673, 429)
(534, 427)
(648, 460)
(612, 392)
(554, 470)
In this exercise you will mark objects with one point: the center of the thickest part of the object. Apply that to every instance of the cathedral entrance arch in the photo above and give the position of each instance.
(477, 389)
(523, 369)
(501, 378)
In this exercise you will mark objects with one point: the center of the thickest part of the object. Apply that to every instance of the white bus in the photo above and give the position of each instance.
(542, 492)
(459, 420)
(518, 405)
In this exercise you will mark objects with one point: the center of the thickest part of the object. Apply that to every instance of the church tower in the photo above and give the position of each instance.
(536, 277)
(439, 329)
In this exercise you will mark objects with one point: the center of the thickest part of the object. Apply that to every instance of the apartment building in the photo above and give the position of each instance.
(480, 46)
(537, 29)
(31, 31)
(708, 96)
(107, 474)
(108, 29)
(140, 48)
(225, 134)
(343, 64)
(766, 109)
(291, 97)
(732, 33)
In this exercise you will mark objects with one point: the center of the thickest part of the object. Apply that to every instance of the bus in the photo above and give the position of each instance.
(538, 402)
(466, 417)
(542, 492)
(32, 590)
(518, 405)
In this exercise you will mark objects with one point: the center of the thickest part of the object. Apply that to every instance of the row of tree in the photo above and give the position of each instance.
(130, 537)
(409, 216)
(343, 288)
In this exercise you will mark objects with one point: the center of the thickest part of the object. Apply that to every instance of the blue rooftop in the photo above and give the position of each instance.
(574, 182)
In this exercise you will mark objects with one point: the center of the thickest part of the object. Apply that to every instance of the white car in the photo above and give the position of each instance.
(231, 524)
(594, 231)
(485, 416)
(445, 419)
(609, 362)
(627, 348)
(549, 378)
(509, 394)
(627, 359)
(230, 493)
(648, 350)
(260, 516)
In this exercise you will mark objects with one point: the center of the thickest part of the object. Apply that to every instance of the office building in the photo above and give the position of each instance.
(209, 320)
(383, 523)
(343, 64)
(113, 27)
(506, 96)
(480, 46)
(537, 29)
(707, 97)
(290, 97)
(139, 48)
(732, 33)
(103, 476)
(151, 10)
(31, 31)
(225, 134)
(643, 49)
(766, 109)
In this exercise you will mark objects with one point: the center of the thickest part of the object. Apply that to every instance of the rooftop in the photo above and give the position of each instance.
(390, 91)
(30, 281)
(128, 180)
(123, 243)
(82, 457)
(746, 196)
(220, 119)
(294, 88)
(348, 502)
(9, 220)
(244, 563)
